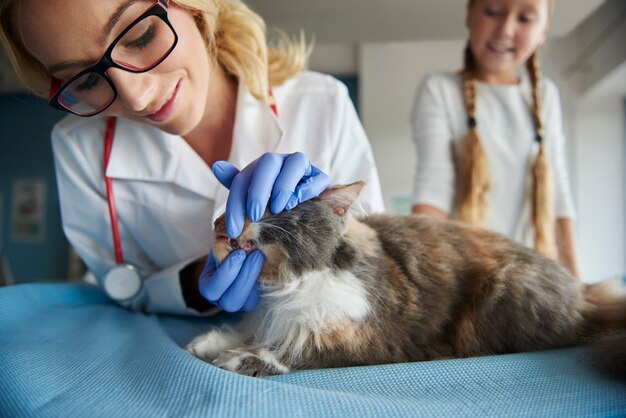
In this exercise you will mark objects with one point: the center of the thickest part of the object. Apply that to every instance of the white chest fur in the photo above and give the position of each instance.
(307, 307)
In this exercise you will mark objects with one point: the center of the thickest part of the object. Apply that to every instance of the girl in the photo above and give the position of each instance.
(490, 145)
(164, 91)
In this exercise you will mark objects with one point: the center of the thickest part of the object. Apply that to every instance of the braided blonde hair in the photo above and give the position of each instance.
(471, 161)
(235, 37)
(473, 179)
(542, 192)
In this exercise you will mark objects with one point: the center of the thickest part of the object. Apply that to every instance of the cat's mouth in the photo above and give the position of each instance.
(224, 245)
(235, 244)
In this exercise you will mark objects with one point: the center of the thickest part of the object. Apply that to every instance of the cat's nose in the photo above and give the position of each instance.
(247, 245)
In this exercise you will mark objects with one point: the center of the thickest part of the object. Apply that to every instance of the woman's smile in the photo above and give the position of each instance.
(167, 109)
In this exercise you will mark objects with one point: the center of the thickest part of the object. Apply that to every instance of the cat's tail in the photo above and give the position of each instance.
(605, 326)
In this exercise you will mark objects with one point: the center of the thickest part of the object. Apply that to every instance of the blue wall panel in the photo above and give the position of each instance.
(352, 82)
(26, 153)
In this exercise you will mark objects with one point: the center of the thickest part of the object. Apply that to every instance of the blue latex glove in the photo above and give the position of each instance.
(232, 285)
(283, 180)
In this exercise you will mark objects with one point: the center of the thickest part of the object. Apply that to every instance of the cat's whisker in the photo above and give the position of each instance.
(287, 233)
(358, 210)
(294, 239)
(290, 237)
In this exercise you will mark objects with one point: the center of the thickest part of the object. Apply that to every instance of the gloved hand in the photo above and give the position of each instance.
(283, 180)
(232, 285)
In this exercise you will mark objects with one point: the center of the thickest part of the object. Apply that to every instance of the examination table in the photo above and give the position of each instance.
(67, 351)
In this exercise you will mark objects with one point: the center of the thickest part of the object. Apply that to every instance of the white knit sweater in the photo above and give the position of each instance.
(506, 130)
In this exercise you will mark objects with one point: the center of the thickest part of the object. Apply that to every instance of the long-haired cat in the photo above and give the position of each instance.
(337, 291)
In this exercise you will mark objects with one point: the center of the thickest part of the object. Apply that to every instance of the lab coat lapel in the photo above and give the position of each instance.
(145, 153)
(257, 130)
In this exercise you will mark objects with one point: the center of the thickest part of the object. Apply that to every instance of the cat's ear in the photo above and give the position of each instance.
(340, 198)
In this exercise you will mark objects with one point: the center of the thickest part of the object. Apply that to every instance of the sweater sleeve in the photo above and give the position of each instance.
(564, 204)
(432, 133)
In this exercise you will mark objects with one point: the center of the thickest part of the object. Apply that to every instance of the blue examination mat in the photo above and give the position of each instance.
(67, 351)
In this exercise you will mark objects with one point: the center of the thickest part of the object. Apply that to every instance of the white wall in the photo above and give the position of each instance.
(600, 160)
(335, 58)
(595, 127)
(389, 76)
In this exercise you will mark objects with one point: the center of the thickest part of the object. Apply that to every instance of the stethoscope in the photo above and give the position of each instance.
(123, 282)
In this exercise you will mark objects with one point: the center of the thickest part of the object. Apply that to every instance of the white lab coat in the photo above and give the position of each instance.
(167, 197)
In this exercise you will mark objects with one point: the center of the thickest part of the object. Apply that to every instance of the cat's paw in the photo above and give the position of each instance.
(209, 346)
(251, 362)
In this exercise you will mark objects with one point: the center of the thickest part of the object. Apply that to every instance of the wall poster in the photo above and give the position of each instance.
(28, 216)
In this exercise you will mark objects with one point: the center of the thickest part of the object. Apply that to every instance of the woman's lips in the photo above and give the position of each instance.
(168, 108)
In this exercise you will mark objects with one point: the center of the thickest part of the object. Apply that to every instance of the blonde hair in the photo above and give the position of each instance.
(472, 166)
(235, 37)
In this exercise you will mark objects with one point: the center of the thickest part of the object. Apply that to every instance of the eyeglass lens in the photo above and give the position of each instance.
(144, 46)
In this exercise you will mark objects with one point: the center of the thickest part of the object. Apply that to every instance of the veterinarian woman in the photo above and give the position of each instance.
(508, 172)
(165, 91)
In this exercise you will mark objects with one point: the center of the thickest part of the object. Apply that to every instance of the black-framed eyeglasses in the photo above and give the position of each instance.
(143, 45)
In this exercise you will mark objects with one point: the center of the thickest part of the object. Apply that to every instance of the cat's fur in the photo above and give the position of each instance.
(337, 291)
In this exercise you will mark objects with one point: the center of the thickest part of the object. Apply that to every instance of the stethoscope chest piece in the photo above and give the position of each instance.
(122, 282)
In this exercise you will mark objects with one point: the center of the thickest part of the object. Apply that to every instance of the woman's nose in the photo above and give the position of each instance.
(134, 90)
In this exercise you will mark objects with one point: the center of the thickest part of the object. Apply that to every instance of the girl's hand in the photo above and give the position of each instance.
(283, 180)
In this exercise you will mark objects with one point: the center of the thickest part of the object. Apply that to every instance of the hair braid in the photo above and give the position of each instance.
(542, 195)
(472, 167)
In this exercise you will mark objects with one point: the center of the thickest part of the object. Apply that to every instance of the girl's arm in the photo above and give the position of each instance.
(429, 210)
(566, 246)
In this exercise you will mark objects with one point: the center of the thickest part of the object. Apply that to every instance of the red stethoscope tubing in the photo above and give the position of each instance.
(108, 181)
